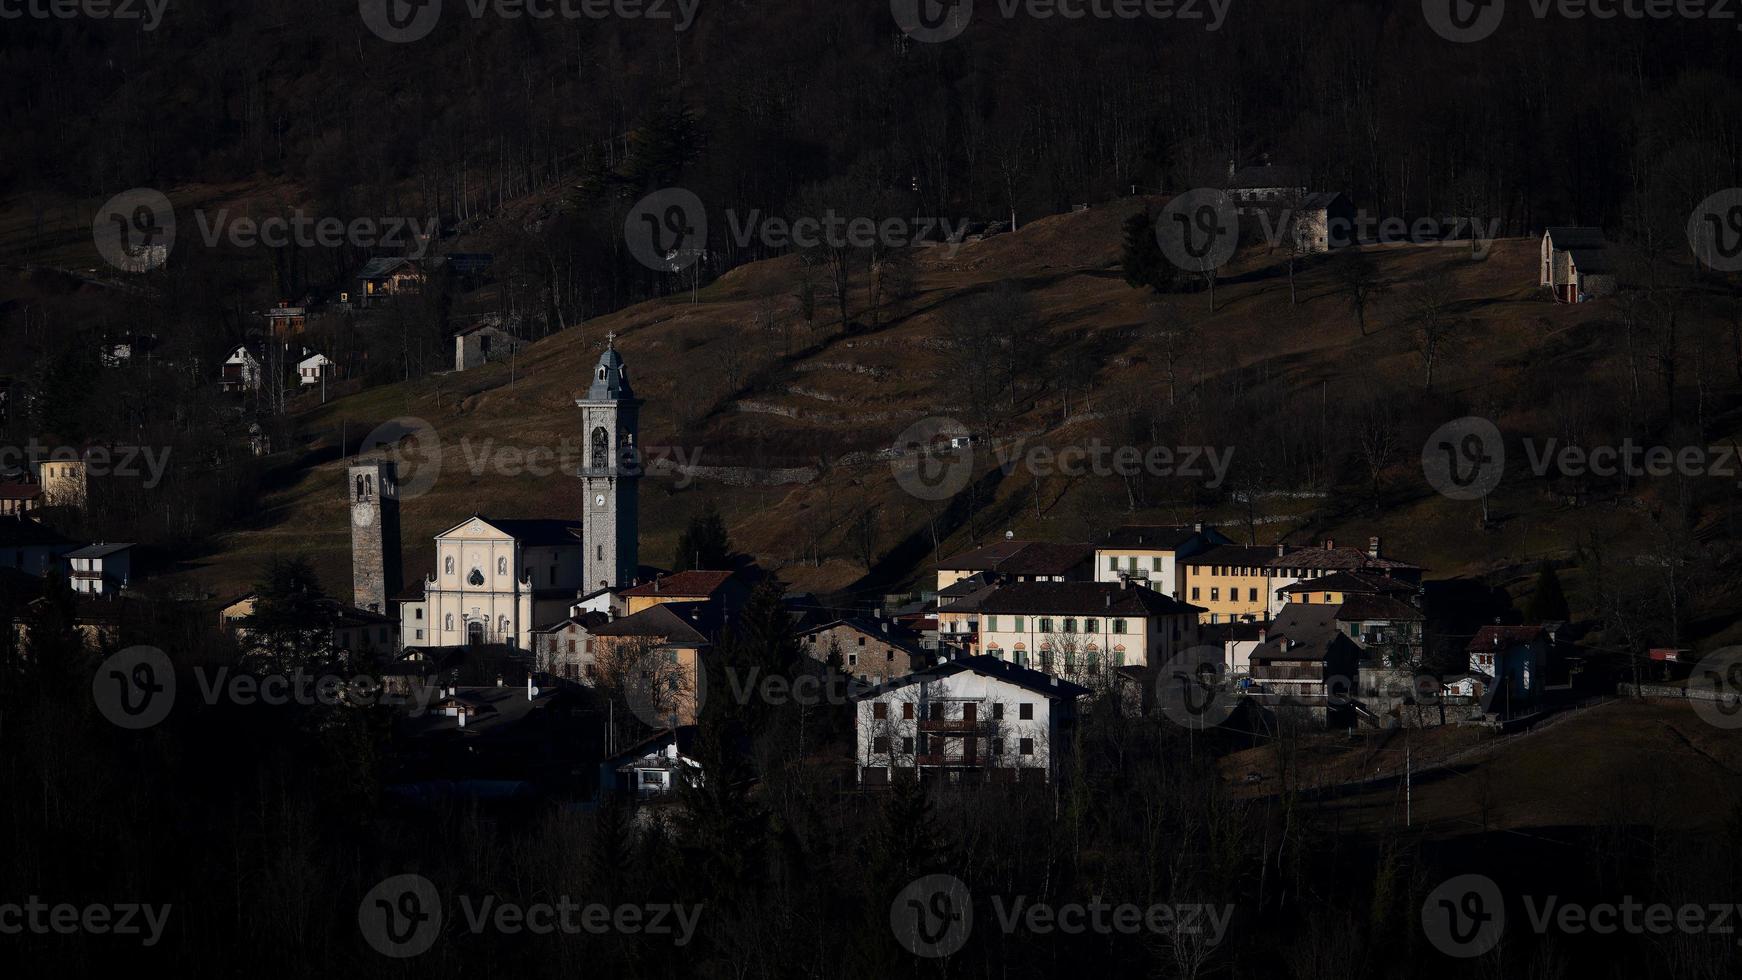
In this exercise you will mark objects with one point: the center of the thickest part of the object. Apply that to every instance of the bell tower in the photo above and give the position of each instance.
(610, 474)
(372, 486)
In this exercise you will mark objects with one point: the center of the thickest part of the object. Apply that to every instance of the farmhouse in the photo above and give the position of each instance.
(1576, 264)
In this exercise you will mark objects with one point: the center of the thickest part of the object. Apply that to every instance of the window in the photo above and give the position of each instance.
(1155, 563)
(571, 644)
(852, 660)
(1119, 627)
(1025, 711)
(1025, 746)
(420, 634)
(1019, 624)
(880, 745)
(889, 656)
(1327, 597)
(448, 565)
(907, 711)
(937, 711)
(1112, 563)
(880, 711)
(1091, 626)
(997, 746)
(1044, 625)
(418, 614)
(1215, 595)
(1194, 593)
(907, 746)
(998, 711)
(501, 566)
(991, 624)
(1251, 595)
(1070, 626)
(924, 744)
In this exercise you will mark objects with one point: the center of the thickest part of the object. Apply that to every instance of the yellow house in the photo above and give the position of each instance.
(1083, 629)
(720, 588)
(654, 656)
(1231, 583)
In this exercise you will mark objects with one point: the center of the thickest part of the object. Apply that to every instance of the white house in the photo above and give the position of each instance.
(310, 369)
(241, 370)
(494, 582)
(1082, 630)
(973, 717)
(1149, 554)
(653, 767)
(100, 569)
(1574, 263)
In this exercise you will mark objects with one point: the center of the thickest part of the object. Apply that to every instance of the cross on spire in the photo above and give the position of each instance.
(611, 340)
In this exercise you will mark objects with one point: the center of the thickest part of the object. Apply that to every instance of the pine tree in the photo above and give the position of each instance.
(704, 544)
(1141, 253)
(1548, 603)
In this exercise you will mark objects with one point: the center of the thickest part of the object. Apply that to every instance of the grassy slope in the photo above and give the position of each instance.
(1068, 266)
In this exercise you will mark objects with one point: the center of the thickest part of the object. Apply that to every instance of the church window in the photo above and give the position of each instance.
(601, 448)
(501, 566)
(476, 578)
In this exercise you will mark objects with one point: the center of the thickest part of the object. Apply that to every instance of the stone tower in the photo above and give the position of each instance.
(610, 474)
(372, 486)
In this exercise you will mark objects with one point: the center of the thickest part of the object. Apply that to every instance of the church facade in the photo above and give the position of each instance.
(498, 580)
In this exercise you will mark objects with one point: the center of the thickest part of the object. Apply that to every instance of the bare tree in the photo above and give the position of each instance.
(1437, 321)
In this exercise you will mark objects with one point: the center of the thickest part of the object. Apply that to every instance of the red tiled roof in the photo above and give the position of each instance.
(1502, 637)
(694, 583)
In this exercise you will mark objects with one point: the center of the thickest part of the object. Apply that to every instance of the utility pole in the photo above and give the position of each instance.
(1408, 797)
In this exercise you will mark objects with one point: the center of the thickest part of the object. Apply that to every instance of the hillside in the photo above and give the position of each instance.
(840, 398)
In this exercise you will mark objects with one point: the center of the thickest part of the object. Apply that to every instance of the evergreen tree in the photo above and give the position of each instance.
(292, 621)
(1548, 603)
(1141, 253)
(704, 543)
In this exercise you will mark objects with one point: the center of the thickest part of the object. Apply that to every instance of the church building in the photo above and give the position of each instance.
(497, 580)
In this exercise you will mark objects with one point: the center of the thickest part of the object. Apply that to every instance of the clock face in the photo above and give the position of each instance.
(362, 515)
(599, 501)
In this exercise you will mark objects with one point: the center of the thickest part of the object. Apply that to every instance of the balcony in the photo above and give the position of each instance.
(938, 759)
(952, 725)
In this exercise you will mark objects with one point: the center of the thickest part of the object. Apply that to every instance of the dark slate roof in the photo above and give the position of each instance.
(1026, 678)
(588, 621)
(1161, 537)
(98, 550)
(898, 635)
(1357, 583)
(1026, 558)
(614, 385)
(976, 582)
(538, 530)
(1224, 632)
(661, 621)
(22, 532)
(1490, 638)
(1576, 236)
(1591, 260)
(1322, 199)
(1243, 556)
(1267, 175)
(1303, 632)
(1345, 558)
(379, 268)
(1361, 608)
(1080, 599)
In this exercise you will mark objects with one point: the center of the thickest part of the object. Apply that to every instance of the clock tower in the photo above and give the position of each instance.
(373, 488)
(610, 474)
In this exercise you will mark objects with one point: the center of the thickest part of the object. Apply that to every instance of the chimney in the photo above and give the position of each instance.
(1198, 527)
(1261, 635)
(1373, 546)
(1055, 680)
(462, 717)
(1329, 544)
(1280, 549)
